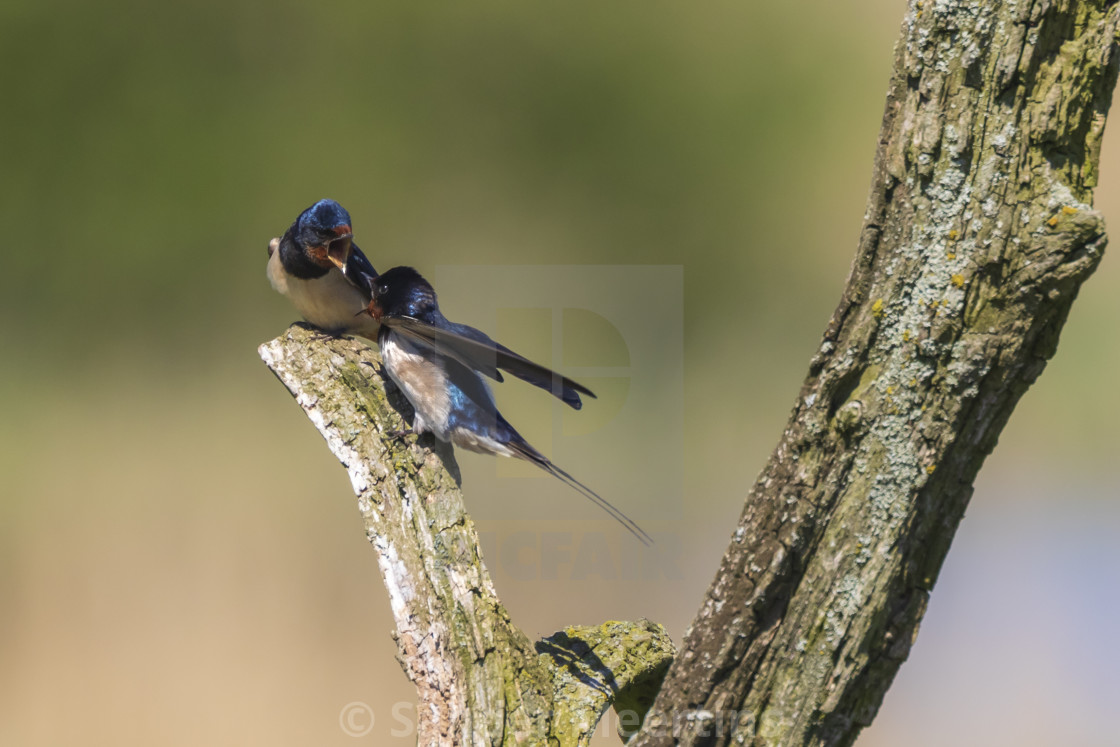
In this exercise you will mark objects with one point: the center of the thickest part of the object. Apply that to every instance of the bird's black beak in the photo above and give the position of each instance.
(338, 251)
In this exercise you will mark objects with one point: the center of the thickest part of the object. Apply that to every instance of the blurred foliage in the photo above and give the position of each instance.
(153, 150)
(171, 525)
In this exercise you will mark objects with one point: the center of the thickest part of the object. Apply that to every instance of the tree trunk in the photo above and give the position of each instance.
(978, 233)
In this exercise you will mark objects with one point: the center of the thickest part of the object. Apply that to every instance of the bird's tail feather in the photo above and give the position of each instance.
(524, 450)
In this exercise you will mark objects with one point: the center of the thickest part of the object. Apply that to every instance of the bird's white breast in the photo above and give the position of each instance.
(423, 381)
(330, 302)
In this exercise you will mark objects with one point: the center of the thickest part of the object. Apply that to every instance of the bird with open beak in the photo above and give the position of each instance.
(317, 265)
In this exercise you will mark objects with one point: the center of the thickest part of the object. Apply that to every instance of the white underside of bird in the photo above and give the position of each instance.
(421, 375)
(330, 302)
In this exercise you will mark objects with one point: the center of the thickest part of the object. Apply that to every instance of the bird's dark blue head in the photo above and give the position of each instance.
(324, 234)
(402, 291)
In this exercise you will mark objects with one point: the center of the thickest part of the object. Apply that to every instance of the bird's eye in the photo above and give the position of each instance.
(382, 290)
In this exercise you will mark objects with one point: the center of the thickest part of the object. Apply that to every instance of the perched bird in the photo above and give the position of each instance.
(437, 364)
(316, 264)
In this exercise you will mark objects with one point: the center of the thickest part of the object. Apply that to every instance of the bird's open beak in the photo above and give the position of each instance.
(374, 310)
(338, 251)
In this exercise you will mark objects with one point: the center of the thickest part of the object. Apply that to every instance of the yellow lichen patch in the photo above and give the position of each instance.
(957, 280)
(906, 335)
(877, 308)
(951, 255)
(890, 390)
(1069, 210)
(953, 235)
(914, 383)
(930, 469)
(1052, 222)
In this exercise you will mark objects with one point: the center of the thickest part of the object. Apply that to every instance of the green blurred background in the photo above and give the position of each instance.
(181, 561)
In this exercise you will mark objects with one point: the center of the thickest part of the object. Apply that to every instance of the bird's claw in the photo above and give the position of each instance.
(403, 434)
(324, 335)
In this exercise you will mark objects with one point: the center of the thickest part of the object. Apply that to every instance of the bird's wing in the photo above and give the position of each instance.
(476, 350)
(360, 272)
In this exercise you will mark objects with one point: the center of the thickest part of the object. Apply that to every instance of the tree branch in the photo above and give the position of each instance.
(478, 677)
(978, 233)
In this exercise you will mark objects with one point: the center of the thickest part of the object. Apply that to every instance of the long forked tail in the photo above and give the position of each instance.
(524, 450)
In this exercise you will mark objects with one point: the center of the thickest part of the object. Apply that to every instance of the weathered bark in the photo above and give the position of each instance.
(978, 233)
(479, 679)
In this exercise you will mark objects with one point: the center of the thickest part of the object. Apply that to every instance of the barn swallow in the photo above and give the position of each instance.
(317, 265)
(439, 364)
